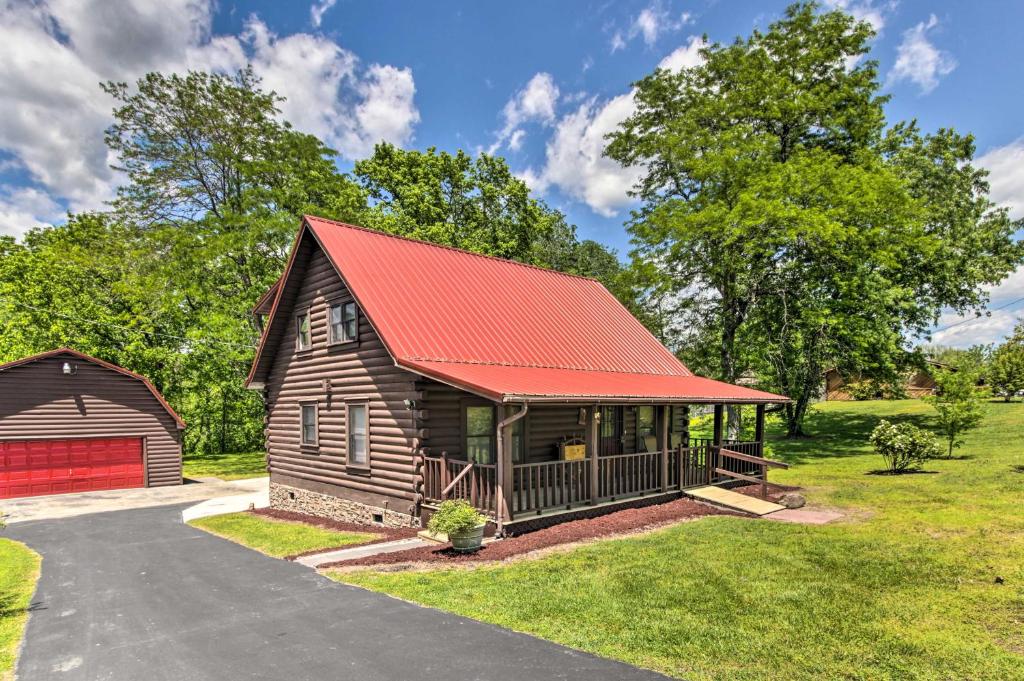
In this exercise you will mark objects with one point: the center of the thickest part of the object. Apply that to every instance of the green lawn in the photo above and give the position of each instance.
(905, 588)
(277, 538)
(19, 570)
(226, 466)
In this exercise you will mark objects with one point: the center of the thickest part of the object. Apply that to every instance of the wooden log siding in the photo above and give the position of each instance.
(38, 402)
(361, 370)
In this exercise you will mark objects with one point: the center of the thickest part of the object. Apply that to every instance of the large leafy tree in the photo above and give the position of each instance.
(785, 227)
(476, 203)
(1005, 372)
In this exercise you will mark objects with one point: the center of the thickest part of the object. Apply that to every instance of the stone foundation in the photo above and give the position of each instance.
(287, 498)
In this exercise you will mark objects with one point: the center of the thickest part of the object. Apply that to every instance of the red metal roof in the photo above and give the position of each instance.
(505, 329)
(107, 365)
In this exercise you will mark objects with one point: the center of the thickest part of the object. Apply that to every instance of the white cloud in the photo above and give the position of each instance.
(516, 140)
(919, 61)
(1006, 175)
(54, 54)
(534, 103)
(22, 208)
(965, 331)
(574, 159)
(684, 56)
(650, 24)
(319, 9)
(865, 10)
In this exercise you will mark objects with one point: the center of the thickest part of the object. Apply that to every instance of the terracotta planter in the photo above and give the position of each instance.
(468, 540)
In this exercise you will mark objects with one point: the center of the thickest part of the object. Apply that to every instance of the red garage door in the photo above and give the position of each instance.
(31, 468)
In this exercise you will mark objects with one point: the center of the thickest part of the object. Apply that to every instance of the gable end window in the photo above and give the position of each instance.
(309, 424)
(357, 435)
(343, 322)
(302, 335)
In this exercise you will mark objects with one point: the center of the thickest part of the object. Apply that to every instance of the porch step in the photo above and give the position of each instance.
(733, 500)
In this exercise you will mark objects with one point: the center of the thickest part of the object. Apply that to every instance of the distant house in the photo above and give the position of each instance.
(398, 373)
(916, 383)
(74, 423)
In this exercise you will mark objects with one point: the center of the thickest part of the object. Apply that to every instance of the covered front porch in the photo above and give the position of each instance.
(607, 455)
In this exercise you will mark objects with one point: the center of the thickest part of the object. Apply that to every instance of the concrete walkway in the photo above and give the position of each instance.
(85, 503)
(230, 504)
(318, 559)
(138, 595)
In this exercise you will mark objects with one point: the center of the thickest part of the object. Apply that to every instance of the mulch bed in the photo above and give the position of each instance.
(383, 533)
(617, 522)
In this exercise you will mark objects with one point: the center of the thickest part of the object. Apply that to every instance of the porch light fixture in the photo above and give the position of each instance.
(69, 369)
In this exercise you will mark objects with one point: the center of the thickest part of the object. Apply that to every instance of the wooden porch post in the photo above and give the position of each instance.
(759, 430)
(593, 441)
(506, 487)
(716, 442)
(663, 445)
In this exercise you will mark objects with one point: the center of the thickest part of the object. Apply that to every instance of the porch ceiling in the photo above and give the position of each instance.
(504, 383)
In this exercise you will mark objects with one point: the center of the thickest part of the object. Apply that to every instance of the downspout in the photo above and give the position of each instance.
(499, 512)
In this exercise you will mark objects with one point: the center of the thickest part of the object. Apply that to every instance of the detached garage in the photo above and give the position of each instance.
(73, 423)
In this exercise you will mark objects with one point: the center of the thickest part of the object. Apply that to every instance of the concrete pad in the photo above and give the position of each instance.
(231, 504)
(362, 551)
(733, 500)
(804, 516)
(85, 503)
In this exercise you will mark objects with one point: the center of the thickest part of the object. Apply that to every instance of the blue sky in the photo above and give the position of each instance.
(537, 82)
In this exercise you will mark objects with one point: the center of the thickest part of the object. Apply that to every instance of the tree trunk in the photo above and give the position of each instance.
(734, 422)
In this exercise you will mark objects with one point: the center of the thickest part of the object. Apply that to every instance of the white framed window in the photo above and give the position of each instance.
(302, 333)
(343, 322)
(309, 423)
(357, 434)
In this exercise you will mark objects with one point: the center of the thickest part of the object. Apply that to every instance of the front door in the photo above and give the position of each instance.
(611, 431)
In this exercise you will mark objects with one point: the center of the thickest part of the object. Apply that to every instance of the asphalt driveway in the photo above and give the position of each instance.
(138, 595)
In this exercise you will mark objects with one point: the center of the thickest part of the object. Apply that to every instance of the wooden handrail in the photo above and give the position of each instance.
(455, 480)
(749, 458)
(738, 476)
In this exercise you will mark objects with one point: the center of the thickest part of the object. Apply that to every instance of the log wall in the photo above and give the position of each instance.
(329, 376)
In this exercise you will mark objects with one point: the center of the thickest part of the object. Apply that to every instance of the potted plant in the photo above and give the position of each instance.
(463, 524)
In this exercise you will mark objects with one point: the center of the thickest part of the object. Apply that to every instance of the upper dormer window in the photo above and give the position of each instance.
(302, 340)
(343, 322)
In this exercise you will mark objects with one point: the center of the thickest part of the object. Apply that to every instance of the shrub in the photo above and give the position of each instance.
(903, 446)
(864, 390)
(455, 516)
(957, 405)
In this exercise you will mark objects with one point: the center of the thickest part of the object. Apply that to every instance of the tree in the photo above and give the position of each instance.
(478, 204)
(957, 404)
(1006, 369)
(783, 223)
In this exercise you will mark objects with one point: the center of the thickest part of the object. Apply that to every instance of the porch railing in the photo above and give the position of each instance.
(625, 475)
(549, 485)
(445, 478)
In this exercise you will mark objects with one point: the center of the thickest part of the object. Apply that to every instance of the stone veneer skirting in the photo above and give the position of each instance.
(289, 498)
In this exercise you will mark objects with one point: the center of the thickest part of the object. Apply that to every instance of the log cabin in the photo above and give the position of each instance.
(398, 373)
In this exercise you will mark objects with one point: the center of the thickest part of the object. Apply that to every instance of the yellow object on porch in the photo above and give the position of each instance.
(574, 452)
(733, 500)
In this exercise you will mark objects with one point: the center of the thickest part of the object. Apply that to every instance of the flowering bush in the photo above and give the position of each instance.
(903, 446)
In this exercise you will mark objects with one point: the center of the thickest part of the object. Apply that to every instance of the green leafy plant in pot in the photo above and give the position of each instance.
(463, 524)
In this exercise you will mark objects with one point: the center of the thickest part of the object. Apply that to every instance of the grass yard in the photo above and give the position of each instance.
(19, 570)
(234, 466)
(277, 538)
(904, 588)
